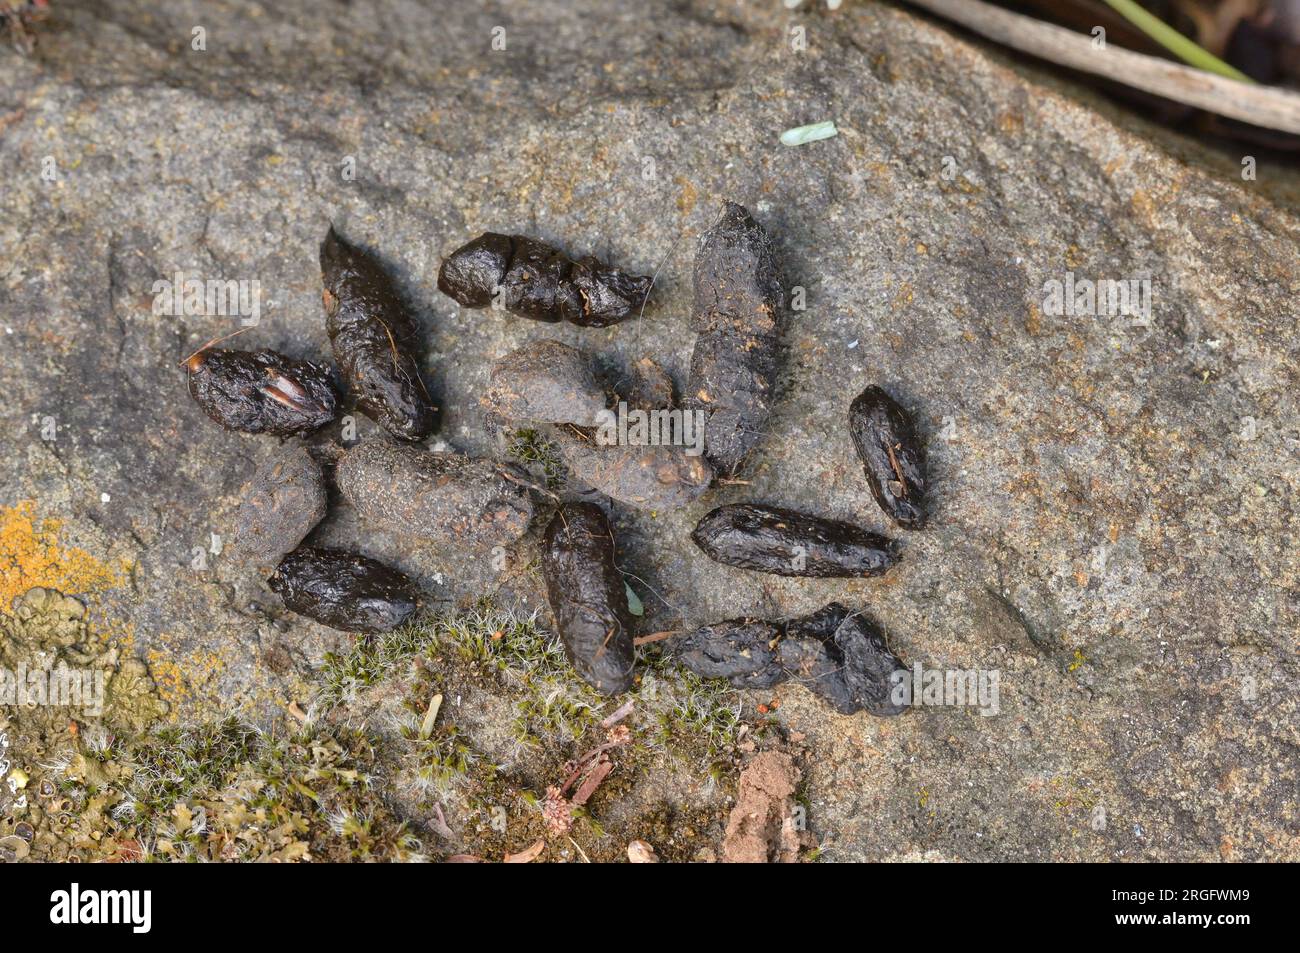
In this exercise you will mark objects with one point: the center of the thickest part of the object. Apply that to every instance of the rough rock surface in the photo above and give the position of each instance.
(1113, 508)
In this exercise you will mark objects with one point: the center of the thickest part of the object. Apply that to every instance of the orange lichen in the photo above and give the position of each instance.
(186, 677)
(30, 555)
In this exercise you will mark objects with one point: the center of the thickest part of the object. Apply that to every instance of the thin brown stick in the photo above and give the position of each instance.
(655, 637)
(1265, 106)
(216, 340)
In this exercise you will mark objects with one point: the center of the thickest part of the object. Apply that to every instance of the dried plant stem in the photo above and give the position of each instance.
(1264, 106)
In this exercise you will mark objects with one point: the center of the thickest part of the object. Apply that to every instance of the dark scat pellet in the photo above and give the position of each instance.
(837, 654)
(588, 598)
(892, 455)
(737, 322)
(757, 653)
(538, 281)
(646, 386)
(780, 541)
(345, 590)
(743, 651)
(375, 340)
(867, 666)
(261, 391)
(278, 508)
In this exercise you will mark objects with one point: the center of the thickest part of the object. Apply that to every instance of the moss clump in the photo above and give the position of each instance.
(230, 792)
(383, 772)
(548, 700)
(538, 455)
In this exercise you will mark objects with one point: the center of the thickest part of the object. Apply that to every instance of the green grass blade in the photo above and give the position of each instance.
(1177, 44)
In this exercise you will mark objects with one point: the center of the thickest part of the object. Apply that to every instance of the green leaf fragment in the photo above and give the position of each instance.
(801, 134)
(634, 605)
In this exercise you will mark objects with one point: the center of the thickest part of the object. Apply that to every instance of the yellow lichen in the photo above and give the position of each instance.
(30, 555)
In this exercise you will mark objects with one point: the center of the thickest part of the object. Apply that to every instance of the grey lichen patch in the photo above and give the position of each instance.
(67, 695)
(44, 622)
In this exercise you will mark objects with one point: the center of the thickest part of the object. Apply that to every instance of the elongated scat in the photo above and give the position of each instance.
(261, 391)
(786, 543)
(893, 456)
(538, 281)
(737, 348)
(278, 508)
(375, 339)
(345, 590)
(546, 382)
(439, 498)
(837, 654)
(743, 651)
(587, 597)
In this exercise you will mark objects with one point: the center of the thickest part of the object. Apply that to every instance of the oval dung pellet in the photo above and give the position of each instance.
(838, 655)
(440, 498)
(780, 541)
(588, 597)
(647, 477)
(375, 339)
(278, 508)
(743, 651)
(345, 590)
(261, 391)
(548, 382)
(737, 348)
(893, 456)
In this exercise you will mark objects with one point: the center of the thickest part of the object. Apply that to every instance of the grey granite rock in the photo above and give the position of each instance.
(1112, 504)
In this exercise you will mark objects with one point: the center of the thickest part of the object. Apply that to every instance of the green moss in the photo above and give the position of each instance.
(230, 792)
(538, 455)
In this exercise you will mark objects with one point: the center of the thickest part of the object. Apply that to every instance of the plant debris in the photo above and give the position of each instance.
(17, 18)
(639, 852)
(814, 132)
